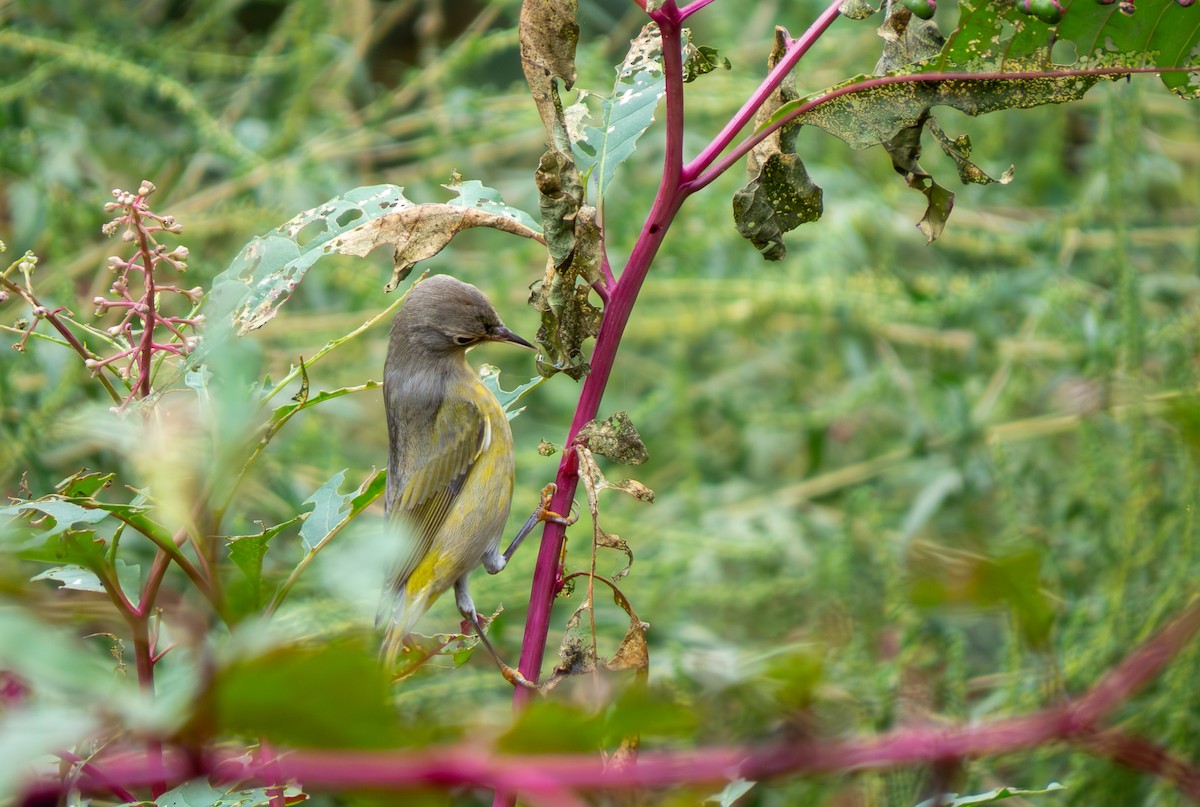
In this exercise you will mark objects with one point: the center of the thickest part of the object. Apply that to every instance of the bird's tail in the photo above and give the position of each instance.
(398, 615)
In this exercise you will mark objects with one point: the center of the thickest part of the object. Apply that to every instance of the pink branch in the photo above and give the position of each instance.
(98, 775)
(557, 774)
(622, 295)
(699, 180)
(1140, 754)
(794, 53)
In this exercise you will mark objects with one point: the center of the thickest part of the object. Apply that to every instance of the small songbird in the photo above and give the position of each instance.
(450, 460)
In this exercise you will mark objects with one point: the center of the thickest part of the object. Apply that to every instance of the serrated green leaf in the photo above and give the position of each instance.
(247, 552)
(328, 506)
(76, 578)
(81, 578)
(624, 116)
(84, 483)
(489, 374)
(66, 515)
(995, 37)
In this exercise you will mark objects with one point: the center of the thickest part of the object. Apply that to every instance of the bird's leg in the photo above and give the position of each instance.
(494, 560)
(466, 607)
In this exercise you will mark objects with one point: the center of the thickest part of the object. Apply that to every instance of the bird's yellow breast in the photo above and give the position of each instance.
(476, 518)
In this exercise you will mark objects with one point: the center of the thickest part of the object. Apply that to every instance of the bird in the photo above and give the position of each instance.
(450, 470)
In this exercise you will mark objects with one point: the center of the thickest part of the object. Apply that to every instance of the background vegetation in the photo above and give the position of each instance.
(896, 484)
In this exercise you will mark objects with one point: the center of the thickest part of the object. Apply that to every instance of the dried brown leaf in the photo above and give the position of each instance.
(614, 438)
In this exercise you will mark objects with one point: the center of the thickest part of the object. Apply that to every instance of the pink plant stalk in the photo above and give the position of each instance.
(1077, 723)
(143, 325)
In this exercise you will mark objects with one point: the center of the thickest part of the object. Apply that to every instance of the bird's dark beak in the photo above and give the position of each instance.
(503, 334)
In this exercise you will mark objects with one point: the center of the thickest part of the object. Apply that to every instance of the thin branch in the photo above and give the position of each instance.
(70, 338)
(1142, 755)
(698, 179)
(745, 115)
(97, 774)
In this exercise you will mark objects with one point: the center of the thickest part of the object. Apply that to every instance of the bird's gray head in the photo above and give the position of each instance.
(445, 316)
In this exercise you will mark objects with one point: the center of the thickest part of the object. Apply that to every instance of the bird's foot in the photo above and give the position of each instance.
(546, 514)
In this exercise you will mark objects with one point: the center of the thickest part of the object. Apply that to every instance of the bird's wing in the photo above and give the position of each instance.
(460, 433)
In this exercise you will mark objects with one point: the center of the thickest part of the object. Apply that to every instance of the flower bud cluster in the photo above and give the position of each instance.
(144, 330)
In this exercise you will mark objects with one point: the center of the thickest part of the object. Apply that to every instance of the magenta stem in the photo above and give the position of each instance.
(622, 296)
(745, 115)
(703, 175)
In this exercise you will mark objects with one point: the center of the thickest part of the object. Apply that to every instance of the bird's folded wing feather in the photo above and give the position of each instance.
(459, 435)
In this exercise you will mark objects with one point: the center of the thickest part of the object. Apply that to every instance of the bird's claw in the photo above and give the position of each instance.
(546, 514)
(513, 676)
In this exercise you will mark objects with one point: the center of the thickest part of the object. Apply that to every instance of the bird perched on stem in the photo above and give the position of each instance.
(450, 459)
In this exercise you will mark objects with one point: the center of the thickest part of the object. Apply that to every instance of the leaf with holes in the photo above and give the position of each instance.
(623, 117)
(264, 274)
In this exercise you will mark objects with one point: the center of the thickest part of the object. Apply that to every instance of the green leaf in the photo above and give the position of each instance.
(1184, 415)
(999, 794)
(473, 193)
(551, 726)
(644, 711)
(959, 150)
(79, 578)
(1015, 580)
(623, 117)
(331, 694)
(328, 506)
(199, 793)
(779, 199)
(65, 515)
(995, 37)
(84, 483)
(731, 793)
(489, 374)
(76, 578)
(281, 413)
(63, 668)
(262, 277)
(332, 510)
(699, 60)
(247, 553)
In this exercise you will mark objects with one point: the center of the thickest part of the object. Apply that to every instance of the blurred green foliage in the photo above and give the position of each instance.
(896, 484)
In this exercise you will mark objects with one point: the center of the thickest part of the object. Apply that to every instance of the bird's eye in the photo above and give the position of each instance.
(463, 340)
